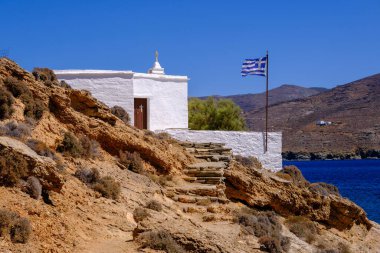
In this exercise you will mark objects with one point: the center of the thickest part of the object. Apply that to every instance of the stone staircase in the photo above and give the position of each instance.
(205, 181)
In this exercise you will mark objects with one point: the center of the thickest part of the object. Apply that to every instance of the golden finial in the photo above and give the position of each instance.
(156, 56)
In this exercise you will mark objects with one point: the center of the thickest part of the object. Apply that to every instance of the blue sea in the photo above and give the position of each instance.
(358, 180)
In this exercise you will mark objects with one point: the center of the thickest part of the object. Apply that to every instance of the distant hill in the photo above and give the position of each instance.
(353, 109)
(286, 92)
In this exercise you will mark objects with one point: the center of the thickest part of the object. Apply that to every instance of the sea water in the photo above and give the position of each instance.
(358, 180)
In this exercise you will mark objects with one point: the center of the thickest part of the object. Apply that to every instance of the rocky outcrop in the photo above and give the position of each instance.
(41, 167)
(260, 189)
(79, 112)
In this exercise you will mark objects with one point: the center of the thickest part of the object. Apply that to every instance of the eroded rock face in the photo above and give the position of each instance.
(260, 189)
(41, 167)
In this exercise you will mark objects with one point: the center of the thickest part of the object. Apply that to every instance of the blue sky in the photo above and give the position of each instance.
(311, 43)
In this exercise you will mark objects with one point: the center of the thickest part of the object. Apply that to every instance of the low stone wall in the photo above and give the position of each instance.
(241, 143)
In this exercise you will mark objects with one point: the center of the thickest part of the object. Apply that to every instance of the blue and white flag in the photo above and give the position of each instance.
(254, 67)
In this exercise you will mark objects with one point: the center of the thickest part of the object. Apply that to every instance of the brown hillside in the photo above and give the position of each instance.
(74, 178)
(286, 92)
(352, 108)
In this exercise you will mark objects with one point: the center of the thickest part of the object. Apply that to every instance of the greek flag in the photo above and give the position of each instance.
(254, 67)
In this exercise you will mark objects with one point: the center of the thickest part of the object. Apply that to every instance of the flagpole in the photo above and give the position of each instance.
(266, 106)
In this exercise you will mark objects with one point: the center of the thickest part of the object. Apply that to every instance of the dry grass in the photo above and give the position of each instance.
(302, 228)
(41, 148)
(70, 145)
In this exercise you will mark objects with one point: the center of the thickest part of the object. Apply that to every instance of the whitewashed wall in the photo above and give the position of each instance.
(167, 99)
(166, 94)
(241, 143)
(110, 87)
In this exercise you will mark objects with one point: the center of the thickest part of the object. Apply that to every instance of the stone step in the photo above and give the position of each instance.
(203, 165)
(214, 157)
(201, 200)
(199, 190)
(205, 180)
(200, 145)
(204, 173)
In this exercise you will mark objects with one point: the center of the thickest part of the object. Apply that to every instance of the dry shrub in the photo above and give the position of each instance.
(34, 187)
(6, 101)
(18, 228)
(295, 175)
(270, 244)
(163, 180)
(324, 189)
(132, 161)
(88, 176)
(204, 202)
(70, 145)
(160, 240)
(16, 86)
(34, 106)
(250, 162)
(302, 228)
(108, 187)
(154, 205)
(140, 214)
(17, 129)
(12, 168)
(266, 226)
(263, 224)
(208, 218)
(122, 114)
(44, 74)
(90, 148)
(40, 148)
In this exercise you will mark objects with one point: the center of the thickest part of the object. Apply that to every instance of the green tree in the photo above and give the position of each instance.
(212, 114)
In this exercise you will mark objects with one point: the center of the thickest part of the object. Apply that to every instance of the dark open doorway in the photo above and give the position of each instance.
(141, 113)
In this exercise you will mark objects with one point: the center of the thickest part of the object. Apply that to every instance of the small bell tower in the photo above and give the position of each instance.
(156, 69)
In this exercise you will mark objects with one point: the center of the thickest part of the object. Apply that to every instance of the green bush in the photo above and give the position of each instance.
(160, 240)
(132, 161)
(122, 114)
(18, 228)
(212, 114)
(6, 101)
(108, 187)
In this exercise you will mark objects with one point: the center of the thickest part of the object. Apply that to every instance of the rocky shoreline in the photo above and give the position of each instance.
(359, 154)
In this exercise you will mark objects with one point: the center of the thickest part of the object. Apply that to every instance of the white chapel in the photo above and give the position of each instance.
(154, 100)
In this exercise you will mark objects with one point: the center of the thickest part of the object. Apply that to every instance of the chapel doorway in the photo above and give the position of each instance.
(141, 113)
